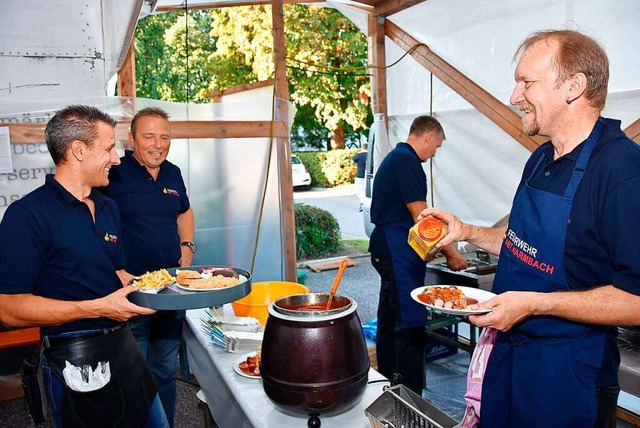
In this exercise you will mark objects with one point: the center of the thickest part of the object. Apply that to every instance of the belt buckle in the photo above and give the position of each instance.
(116, 328)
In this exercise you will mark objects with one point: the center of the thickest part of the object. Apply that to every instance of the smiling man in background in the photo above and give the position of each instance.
(157, 232)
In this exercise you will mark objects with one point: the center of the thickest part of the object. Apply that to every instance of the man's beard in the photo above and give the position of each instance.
(530, 128)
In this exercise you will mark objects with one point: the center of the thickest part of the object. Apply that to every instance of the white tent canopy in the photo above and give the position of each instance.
(477, 169)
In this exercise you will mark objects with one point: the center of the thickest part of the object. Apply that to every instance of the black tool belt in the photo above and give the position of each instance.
(125, 400)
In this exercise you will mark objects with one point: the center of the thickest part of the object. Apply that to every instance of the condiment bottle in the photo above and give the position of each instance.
(424, 235)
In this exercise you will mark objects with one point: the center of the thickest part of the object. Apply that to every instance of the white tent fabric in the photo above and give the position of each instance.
(477, 169)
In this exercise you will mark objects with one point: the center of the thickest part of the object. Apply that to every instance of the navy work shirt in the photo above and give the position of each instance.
(52, 248)
(400, 180)
(149, 210)
(360, 159)
(602, 237)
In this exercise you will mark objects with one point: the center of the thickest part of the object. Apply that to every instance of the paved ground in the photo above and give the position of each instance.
(15, 414)
(342, 203)
(361, 283)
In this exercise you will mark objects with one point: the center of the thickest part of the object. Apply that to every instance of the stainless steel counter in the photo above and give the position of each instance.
(479, 274)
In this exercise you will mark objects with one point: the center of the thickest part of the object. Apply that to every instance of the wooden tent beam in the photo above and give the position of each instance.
(390, 7)
(633, 131)
(377, 58)
(216, 96)
(283, 145)
(34, 132)
(227, 3)
(483, 101)
(127, 73)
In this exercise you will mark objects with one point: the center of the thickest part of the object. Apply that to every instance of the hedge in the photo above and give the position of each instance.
(330, 169)
(317, 232)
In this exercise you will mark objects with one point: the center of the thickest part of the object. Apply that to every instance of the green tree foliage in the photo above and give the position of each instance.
(244, 49)
(330, 169)
(161, 56)
(152, 68)
(326, 66)
(326, 63)
(307, 131)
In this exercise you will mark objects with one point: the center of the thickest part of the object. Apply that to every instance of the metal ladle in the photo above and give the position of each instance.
(336, 282)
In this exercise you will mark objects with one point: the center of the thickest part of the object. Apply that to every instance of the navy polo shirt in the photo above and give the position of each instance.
(602, 237)
(149, 210)
(603, 234)
(400, 180)
(360, 159)
(52, 248)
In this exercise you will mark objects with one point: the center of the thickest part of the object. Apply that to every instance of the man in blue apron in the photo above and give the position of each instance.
(399, 194)
(568, 264)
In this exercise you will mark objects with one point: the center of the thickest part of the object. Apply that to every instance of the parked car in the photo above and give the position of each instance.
(300, 176)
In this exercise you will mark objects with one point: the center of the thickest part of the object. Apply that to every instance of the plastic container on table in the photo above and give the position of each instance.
(255, 304)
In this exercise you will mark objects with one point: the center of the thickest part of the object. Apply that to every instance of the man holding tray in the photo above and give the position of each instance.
(157, 232)
(61, 249)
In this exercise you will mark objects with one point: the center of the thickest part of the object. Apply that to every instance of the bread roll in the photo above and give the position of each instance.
(188, 277)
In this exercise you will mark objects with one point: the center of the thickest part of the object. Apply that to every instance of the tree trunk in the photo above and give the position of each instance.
(337, 138)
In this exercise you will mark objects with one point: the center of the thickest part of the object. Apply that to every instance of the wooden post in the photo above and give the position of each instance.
(127, 73)
(376, 53)
(483, 101)
(283, 145)
(633, 131)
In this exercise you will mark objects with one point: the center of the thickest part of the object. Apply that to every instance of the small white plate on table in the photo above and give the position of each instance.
(237, 369)
(474, 293)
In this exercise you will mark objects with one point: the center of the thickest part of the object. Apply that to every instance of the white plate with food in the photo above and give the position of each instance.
(191, 280)
(452, 299)
(153, 282)
(248, 365)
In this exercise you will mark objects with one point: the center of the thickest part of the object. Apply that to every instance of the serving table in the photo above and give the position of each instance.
(236, 401)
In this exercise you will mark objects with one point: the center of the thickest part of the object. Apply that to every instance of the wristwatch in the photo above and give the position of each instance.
(192, 246)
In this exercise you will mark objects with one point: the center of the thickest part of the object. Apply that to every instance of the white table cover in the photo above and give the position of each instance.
(237, 402)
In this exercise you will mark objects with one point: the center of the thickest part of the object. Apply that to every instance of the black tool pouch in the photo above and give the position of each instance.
(125, 400)
(33, 387)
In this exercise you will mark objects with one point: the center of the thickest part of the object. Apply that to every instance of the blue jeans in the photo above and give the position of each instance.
(53, 388)
(159, 336)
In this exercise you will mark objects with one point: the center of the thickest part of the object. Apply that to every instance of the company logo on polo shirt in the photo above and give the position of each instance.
(111, 238)
(171, 192)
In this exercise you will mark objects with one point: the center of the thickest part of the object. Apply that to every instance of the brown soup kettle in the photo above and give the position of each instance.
(314, 361)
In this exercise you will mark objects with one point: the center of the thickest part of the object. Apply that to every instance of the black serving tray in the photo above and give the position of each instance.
(174, 298)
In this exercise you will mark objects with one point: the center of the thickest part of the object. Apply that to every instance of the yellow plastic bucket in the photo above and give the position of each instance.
(255, 303)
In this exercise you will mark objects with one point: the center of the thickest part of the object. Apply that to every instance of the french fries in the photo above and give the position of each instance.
(155, 279)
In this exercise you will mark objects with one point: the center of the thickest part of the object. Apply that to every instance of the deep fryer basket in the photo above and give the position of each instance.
(399, 407)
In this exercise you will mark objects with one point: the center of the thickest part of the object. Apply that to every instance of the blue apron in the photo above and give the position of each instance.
(409, 271)
(543, 372)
